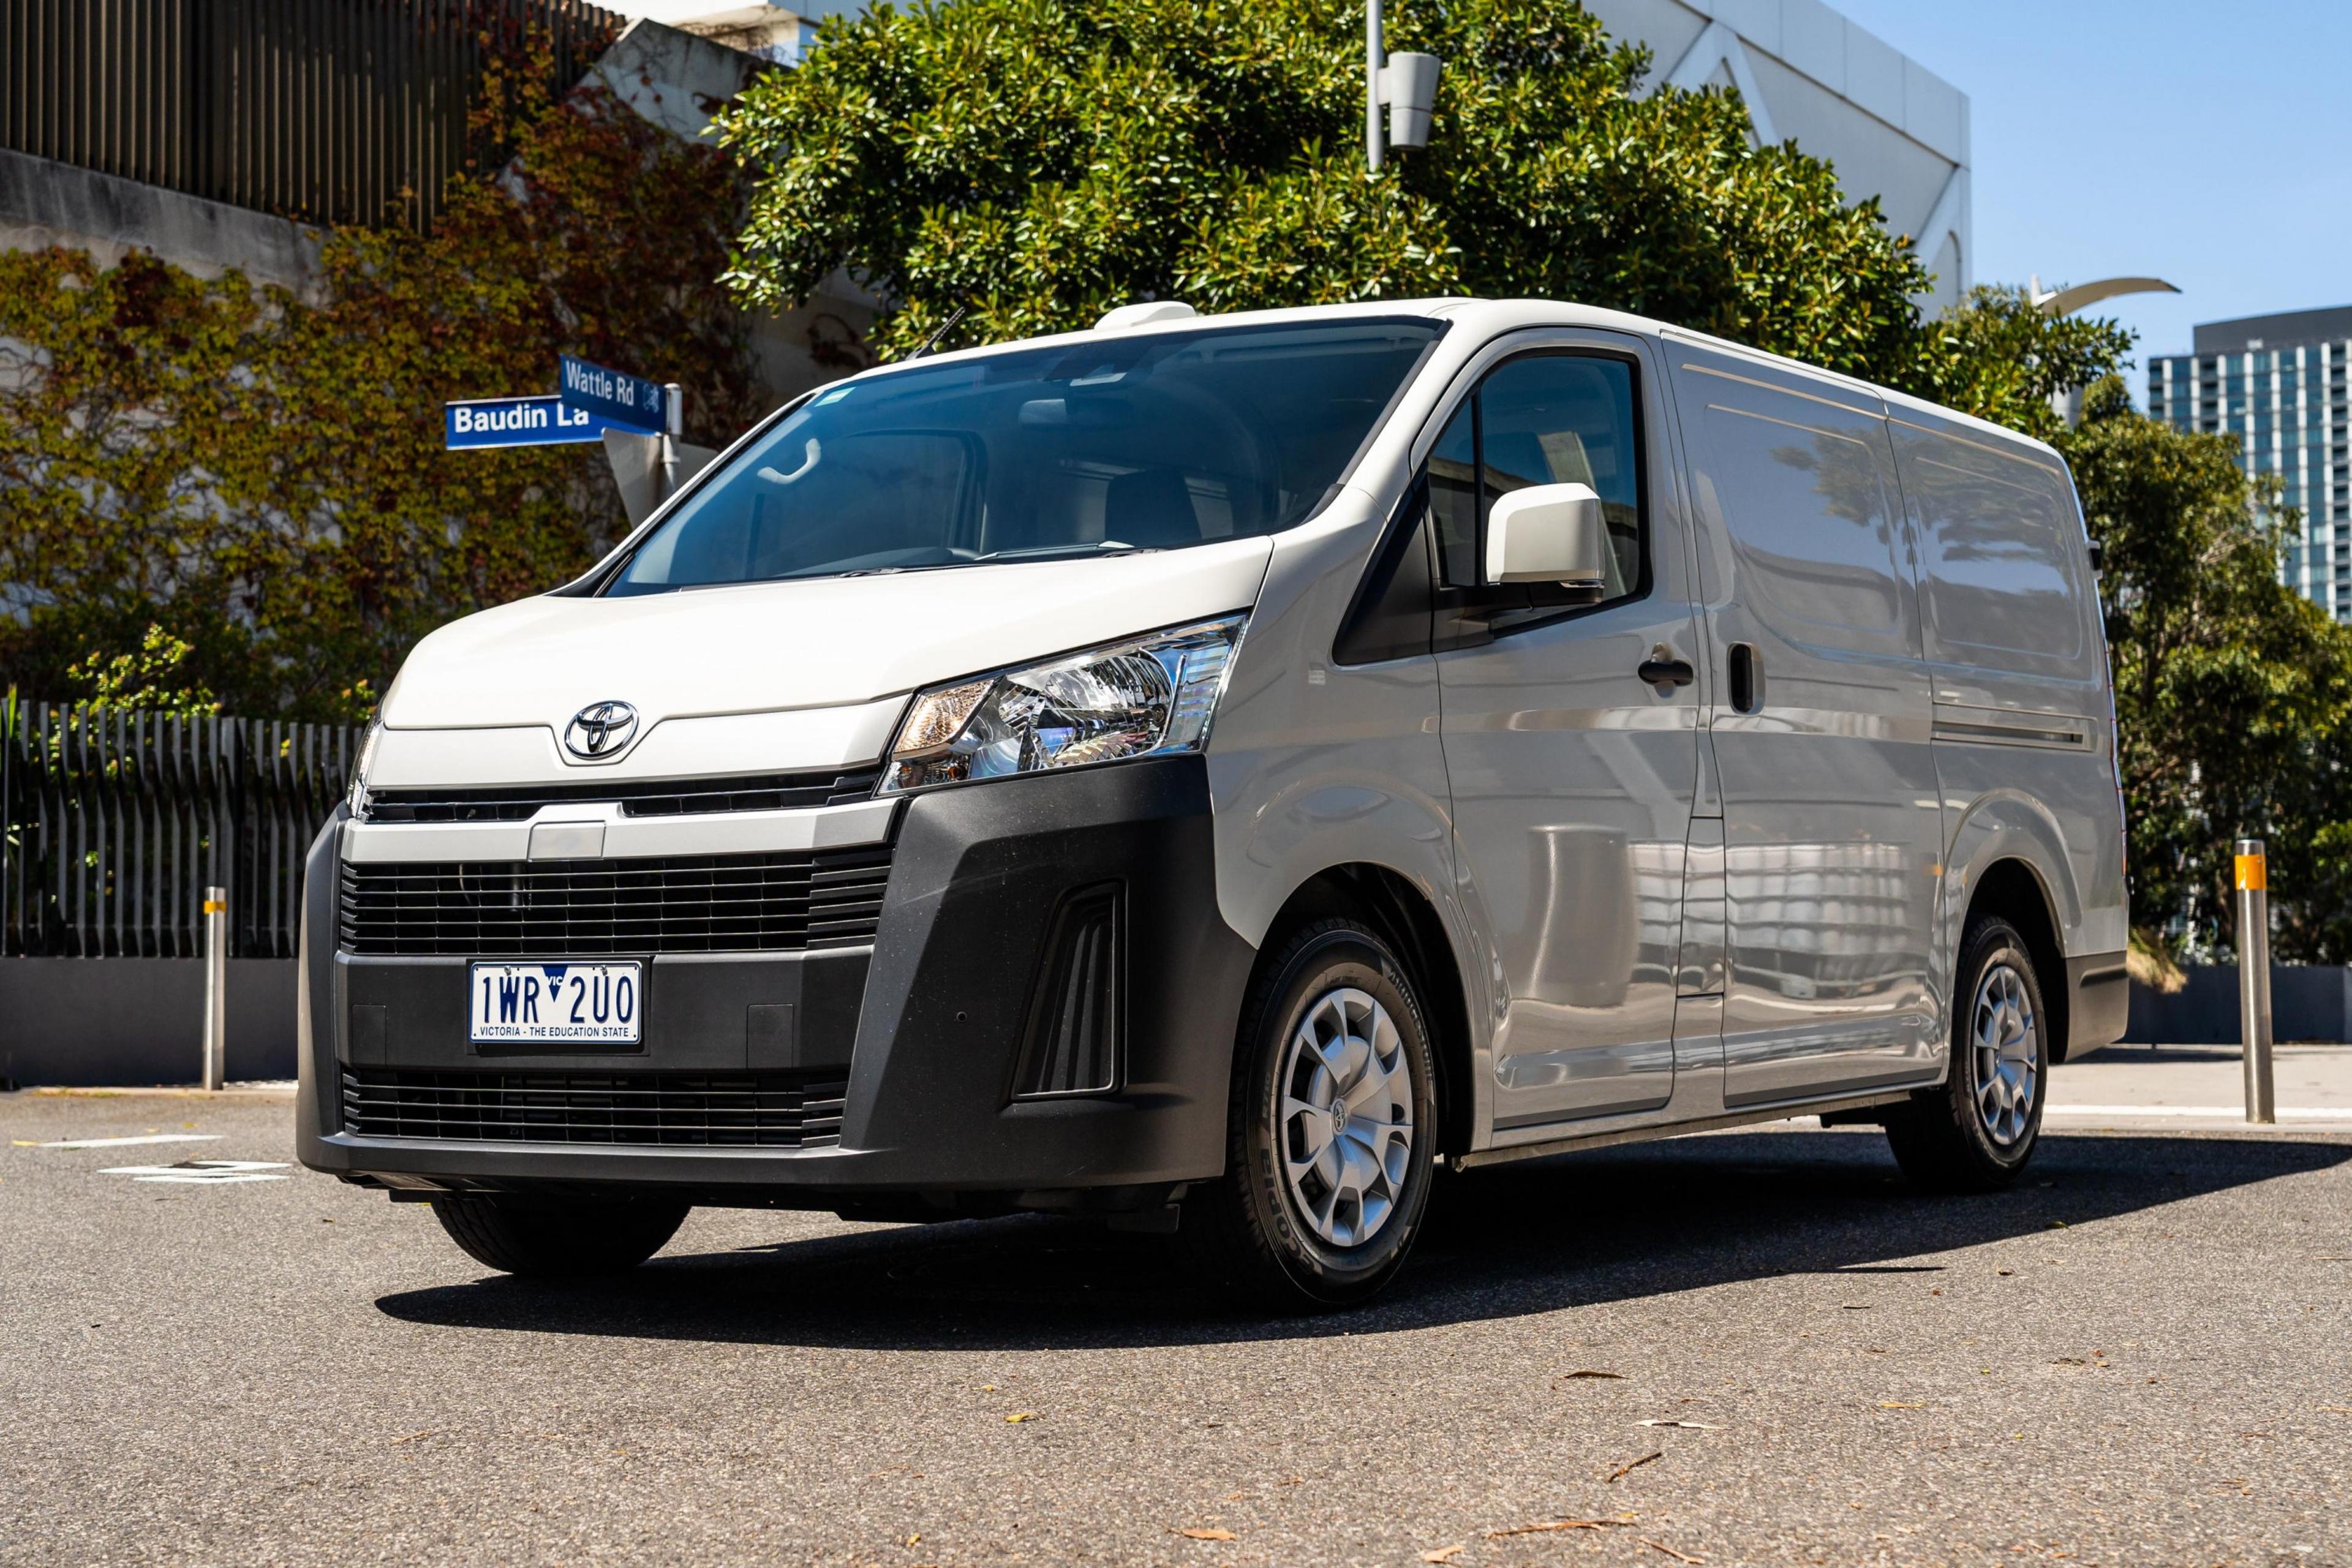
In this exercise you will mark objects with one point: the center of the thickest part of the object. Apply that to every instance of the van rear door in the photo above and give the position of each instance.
(1819, 723)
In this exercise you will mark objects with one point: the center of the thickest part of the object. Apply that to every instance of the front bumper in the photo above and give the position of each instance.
(925, 1029)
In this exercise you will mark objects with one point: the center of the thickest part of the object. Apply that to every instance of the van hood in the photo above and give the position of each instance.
(819, 642)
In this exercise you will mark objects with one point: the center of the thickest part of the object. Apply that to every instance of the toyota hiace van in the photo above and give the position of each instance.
(1212, 773)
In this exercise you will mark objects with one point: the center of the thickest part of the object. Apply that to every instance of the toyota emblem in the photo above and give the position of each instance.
(600, 730)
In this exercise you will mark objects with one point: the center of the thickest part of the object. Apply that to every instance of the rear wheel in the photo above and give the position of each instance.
(1331, 1131)
(1975, 1131)
(558, 1237)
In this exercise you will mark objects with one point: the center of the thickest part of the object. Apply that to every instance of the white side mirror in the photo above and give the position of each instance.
(1548, 533)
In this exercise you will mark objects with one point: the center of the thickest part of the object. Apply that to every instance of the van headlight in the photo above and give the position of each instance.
(1145, 696)
(359, 795)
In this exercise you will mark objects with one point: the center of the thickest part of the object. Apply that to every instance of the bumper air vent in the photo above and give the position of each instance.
(1071, 1044)
(584, 909)
(752, 1110)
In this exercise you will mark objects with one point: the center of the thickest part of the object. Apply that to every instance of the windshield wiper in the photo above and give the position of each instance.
(1092, 547)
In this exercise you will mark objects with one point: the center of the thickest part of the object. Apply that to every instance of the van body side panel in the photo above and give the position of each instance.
(1312, 764)
(1832, 820)
(2024, 736)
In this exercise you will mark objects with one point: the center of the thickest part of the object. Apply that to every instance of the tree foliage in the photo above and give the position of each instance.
(1038, 162)
(261, 474)
(2234, 693)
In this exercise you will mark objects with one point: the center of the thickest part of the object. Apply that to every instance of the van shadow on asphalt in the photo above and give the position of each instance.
(1573, 1230)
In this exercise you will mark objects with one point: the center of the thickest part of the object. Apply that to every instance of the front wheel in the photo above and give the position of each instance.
(1332, 1127)
(558, 1237)
(1976, 1131)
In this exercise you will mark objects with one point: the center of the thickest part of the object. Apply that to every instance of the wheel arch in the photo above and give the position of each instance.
(2012, 890)
(1407, 919)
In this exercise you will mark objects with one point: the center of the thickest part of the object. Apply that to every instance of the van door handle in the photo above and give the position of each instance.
(1662, 668)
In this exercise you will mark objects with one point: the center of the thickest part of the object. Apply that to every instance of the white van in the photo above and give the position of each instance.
(1218, 772)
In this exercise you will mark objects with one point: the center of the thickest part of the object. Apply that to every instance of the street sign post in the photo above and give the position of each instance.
(519, 422)
(616, 397)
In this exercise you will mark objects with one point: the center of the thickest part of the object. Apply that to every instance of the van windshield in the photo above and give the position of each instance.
(1145, 442)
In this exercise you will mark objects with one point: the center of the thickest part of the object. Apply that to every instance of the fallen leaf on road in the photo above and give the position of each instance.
(1442, 1554)
(911, 1540)
(1587, 1372)
(1677, 1557)
(1627, 1469)
(1622, 1519)
(2005, 1271)
(1693, 1426)
(2055, 1225)
(1197, 1534)
(1020, 1415)
(1902, 1404)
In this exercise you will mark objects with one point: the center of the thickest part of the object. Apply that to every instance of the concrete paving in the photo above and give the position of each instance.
(1758, 1347)
(2199, 1087)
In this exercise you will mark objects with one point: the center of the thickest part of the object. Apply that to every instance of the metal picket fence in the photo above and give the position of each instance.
(115, 822)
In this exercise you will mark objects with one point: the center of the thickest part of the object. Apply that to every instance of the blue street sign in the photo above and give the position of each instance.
(517, 422)
(612, 395)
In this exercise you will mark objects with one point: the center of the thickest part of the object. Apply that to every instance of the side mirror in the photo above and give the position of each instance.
(1548, 533)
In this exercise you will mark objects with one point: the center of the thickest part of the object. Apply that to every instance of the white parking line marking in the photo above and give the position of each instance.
(204, 1173)
(120, 1143)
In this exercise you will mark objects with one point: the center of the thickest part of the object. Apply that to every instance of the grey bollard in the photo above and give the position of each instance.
(2254, 978)
(216, 987)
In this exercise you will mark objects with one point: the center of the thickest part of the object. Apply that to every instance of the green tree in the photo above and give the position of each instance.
(261, 474)
(2234, 693)
(1037, 162)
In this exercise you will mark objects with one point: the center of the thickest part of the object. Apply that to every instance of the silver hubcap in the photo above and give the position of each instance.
(1344, 1129)
(2005, 1036)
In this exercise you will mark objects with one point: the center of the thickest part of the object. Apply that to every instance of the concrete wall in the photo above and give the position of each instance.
(2308, 1001)
(139, 1020)
(44, 203)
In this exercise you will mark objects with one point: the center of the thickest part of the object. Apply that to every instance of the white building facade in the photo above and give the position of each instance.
(1894, 128)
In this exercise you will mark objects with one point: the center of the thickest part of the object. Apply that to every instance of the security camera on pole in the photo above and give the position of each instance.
(1407, 84)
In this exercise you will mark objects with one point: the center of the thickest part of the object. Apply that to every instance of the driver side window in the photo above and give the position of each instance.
(1543, 419)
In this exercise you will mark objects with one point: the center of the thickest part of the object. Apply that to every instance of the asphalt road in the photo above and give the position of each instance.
(2143, 1355)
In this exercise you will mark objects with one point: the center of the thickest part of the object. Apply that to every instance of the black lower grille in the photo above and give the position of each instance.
(781, 1110)
(584, 909)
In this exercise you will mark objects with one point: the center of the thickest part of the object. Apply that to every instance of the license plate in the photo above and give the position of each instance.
(597, 1004)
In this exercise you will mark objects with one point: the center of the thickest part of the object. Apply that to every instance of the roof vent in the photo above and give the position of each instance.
(1128, 316)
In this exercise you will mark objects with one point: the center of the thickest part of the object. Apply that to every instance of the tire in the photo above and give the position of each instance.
(1304, 1220)
(1975, 1131)
(558, 1237)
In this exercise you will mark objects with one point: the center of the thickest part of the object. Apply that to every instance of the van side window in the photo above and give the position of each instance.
(1544, 419)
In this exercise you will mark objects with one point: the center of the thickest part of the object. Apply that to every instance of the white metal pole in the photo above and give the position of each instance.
(1374, 58)
(673, 426)
(216, 987)
(2254, 978)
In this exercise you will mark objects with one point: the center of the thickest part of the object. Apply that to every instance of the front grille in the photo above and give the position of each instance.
(585, 908)
(636, 798)
(764, 1111)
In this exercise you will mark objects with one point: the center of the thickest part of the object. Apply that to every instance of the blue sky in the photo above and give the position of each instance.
(2208, 144)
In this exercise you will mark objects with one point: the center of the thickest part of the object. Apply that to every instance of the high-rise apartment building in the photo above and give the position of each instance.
(2275, 385)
